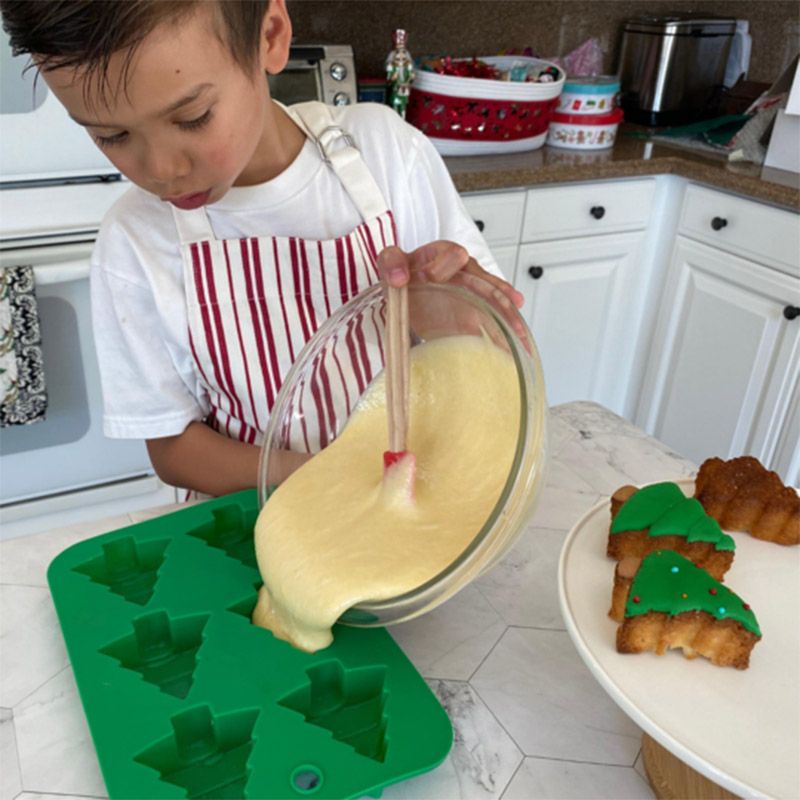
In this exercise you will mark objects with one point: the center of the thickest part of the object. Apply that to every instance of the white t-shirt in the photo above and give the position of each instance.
(151, 387)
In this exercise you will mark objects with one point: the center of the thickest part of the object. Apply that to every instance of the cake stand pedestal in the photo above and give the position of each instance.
(671, 779)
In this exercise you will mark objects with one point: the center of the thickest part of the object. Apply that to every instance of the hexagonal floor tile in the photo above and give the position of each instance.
(544, 696)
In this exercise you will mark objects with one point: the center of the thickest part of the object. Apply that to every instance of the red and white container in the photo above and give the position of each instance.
(470, 116)
(584, 131)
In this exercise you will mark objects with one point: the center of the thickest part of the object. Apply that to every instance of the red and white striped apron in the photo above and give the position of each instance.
(253, 303)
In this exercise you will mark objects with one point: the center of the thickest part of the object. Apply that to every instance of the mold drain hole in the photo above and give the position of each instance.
(306, 779)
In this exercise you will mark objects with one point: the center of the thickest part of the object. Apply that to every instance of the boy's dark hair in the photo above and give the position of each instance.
(86, 33)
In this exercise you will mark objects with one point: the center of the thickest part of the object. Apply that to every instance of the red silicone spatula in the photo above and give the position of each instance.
(399, 465)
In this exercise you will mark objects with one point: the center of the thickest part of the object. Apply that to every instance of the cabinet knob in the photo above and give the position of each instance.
(480, 225)
(718, 223)
(598, 212)
(791, 312)
(535, 272)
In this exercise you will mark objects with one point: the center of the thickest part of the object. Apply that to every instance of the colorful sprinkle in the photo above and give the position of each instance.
(722, 609)
(637, 599)
(712, 590)
(684, 595)
(746, 606)
(674, 569)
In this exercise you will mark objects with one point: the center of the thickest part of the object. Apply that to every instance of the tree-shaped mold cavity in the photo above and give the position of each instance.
(163, 650)
(231, 530)
(127, 567)
(349, 703)
(205, 754)
(245, 606)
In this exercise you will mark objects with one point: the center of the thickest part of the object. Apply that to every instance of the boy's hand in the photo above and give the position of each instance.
(447, 262)
(437, 262)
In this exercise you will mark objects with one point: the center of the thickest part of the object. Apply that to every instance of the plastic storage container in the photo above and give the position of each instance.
(589, 95)
(361, 323)
(466, 116)
(584, 131)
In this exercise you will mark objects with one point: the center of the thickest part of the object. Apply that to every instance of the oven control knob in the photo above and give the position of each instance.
(338, 71)
(341, 99)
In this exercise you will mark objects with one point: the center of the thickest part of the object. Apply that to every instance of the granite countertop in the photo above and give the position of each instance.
(530, 721)
(629, 158)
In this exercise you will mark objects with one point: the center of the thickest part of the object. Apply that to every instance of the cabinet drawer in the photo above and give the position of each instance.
(745, 227)
(587, 209)
(499, 216)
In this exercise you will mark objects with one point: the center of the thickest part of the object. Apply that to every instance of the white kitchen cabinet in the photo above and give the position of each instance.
(579, 268)
(506, 258)
(578, 296)
(757, 231)
(725, 359)
(588, 209)
(498, 215)
(663, 300)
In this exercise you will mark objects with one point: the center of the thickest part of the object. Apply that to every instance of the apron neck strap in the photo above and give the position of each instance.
(336, 148)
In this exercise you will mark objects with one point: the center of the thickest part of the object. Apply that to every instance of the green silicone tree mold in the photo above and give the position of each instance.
(205, 754)
(185, 697)
(350, 704)
(162, 650)
(127, 567)
(231, 530)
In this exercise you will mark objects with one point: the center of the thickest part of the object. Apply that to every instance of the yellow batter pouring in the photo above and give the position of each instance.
(332, 537)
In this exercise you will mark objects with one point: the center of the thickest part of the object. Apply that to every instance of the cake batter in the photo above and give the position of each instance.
(333, 535)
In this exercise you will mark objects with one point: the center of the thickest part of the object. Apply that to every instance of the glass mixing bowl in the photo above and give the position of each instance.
(323, 386)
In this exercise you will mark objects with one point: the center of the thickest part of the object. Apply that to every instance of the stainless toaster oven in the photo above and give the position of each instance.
(323, 72)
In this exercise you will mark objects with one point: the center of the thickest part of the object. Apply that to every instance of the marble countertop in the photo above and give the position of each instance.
(529, 719)
(630, 157)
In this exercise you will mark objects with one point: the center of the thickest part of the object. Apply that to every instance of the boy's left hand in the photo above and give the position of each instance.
(442, 262)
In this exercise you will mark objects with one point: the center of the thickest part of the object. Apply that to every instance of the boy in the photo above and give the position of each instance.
(248, 223)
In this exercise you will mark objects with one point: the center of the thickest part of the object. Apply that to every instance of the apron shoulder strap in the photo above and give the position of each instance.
(193, 226)
(338, 150)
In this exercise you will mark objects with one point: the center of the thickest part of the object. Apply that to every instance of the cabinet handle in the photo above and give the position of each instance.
(598, 212)
(535, 272)
(480, 225)
(791, 312)
(718, 223)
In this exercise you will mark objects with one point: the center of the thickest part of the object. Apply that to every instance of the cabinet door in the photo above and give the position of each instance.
(582, 302)
(506, 258)
(498, 216)
(720, 379)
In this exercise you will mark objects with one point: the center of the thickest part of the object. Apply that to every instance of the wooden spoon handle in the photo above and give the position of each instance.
(397, 366)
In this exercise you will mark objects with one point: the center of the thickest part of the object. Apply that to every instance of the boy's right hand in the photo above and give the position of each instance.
(447, 262)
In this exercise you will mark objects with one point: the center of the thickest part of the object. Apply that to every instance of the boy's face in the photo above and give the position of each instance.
(187, 123)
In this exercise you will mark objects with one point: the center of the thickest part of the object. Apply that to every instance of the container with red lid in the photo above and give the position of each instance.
(584, 131)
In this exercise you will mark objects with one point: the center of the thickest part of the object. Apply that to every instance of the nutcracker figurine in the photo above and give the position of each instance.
(399, 73)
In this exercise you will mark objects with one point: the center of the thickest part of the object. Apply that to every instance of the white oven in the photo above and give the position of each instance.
(55, 187)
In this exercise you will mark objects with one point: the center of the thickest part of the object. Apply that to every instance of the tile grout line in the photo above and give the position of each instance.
(16, 752)
(491, 650)
(497, 720)
(537, 628)
(514, 775)
(68, 665)
(26, 585)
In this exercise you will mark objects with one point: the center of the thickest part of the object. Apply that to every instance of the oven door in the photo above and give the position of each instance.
(63, 468)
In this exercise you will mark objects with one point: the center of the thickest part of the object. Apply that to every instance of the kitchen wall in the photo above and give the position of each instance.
(550, 27)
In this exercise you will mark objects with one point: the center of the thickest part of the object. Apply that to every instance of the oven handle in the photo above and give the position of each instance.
(61, 272)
